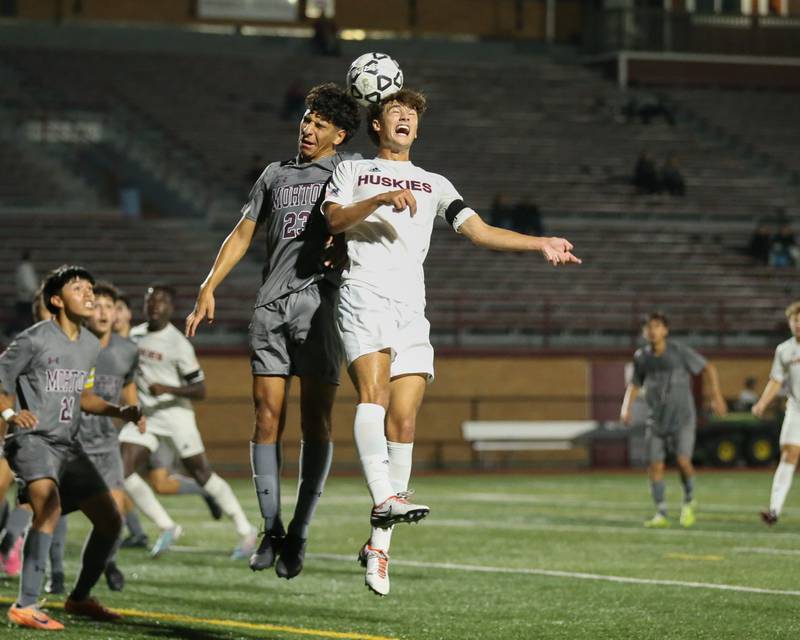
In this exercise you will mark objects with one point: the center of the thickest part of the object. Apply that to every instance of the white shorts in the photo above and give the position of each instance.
(790, 431)
(185, 440)
(369, 322)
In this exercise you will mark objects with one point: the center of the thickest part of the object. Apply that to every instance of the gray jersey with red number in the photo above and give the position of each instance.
(286, 200)
(47, 371)
(116, 367)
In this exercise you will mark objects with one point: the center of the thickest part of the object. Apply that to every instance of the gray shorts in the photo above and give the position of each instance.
(33, 457)
(296, 335)
(680, 442)
(109, 464)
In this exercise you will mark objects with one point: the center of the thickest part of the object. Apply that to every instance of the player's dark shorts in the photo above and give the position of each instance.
(296, 335)
(680, 442)
(109, 465)
(33, 457)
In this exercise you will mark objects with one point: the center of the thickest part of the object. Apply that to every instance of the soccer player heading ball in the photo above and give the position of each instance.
(386, 207)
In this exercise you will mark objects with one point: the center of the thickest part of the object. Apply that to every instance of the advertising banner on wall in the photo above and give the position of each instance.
(256, 10)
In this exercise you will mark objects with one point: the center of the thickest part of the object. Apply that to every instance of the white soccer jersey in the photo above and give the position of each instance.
(165, 357)
(388, 248)
(786, 369)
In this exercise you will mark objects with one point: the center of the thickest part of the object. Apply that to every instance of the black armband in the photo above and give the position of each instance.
(456, 207)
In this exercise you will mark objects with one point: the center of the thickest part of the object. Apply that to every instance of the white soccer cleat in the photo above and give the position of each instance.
(396, 509)
(167, 538)
(376, 562)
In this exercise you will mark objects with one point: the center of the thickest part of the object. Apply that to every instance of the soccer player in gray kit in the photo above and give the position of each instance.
(51, 369)
(293, 331)
(664, 369)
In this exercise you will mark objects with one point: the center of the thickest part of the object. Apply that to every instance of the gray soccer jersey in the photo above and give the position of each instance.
(115, 368)
(667, 381)
(48, 372)
(786, 369)
(286, 198)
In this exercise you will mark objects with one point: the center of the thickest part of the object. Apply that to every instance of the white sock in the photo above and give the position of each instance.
(399, 474)
(370, 438)
(144, 498)
(781, 483)
(221, 492)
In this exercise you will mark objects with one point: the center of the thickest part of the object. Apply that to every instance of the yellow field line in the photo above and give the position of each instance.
(233, 624)
(688, 556)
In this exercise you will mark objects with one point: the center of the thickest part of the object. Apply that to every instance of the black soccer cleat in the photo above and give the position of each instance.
(292, 556)
(213, 506)
(769, 517)
(114, 577)
(134, 541)
(55, 586)
(268, 550)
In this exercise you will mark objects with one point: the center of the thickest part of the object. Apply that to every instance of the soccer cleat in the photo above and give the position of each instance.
(213, 506)
(658, 521)
(246, 546)
(12, 563)
(769, 517)
(396, 509)
(33, 618)
(687, 518)
(114, 577)
(166, 540)
(90, 608)
(55, 586)
(376, 576)
(134, 541)
(270, 546)
(291, 558)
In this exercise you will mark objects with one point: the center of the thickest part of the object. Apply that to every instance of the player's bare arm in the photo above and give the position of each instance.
(341, 218)
(193, 391)
(718, 404)
(626, 412)
(23, 419)
(555, 250)
(94, 404)
(767, 396)
(130, 397)
(233, 249)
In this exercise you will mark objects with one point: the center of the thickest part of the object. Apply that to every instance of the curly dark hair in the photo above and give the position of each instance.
(407, 97)
(334, 104)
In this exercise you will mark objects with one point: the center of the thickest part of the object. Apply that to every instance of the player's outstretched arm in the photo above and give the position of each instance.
(555, 250)
(767, 396)
(626, 412)
(718, 404)
(94, 404)
(342, 217)
(193, 391)
(230, 253)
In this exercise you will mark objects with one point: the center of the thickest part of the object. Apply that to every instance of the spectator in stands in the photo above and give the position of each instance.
(760, 243)
(672, 180)
(26, 283)
(526, 218)
(748, 396)
(785, 252)
(647, 108)
(294, 104)
(645, 174)
(501, 213)
(326, 37)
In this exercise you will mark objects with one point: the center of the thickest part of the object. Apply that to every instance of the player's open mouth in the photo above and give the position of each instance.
(306, 144)
(402, 130)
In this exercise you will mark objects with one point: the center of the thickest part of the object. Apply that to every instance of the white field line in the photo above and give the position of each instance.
(574, 575)
(770, 551)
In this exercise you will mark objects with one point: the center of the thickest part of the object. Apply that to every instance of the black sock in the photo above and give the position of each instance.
(96, 553)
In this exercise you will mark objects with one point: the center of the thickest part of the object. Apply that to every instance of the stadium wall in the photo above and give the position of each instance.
(483, 388)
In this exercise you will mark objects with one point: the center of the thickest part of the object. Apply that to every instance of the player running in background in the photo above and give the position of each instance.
(50, 366)
(114, 382)
(168, 379)
(664, 369)
(784, 372)
(293, 331)
(387, 207)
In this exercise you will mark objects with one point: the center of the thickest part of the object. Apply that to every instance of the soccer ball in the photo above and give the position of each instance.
(373, 77)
